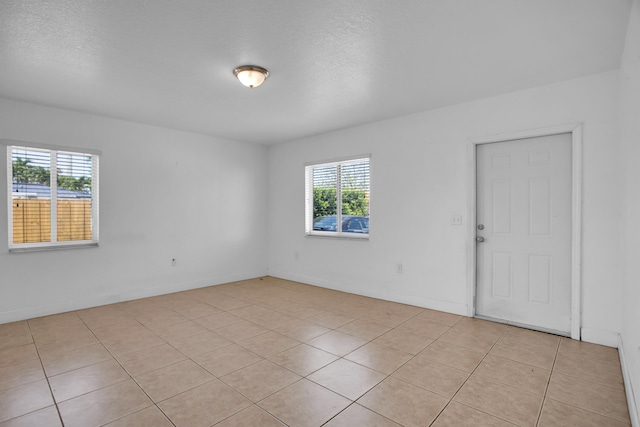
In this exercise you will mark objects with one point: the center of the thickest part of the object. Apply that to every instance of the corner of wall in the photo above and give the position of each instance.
(628, 385)
(597, 336)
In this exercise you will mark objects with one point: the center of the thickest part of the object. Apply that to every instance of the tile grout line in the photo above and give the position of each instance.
(339, 358)
(571, 404)
(46, 377)
(392, 372)
(220, 378)
(369, 341)
(469, 377)
(126, 371)
(322, 306)
(215, 377)
(389, 375)
(156, 404)
(546, 389)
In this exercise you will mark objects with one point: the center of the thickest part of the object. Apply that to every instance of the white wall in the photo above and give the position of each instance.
(163, 194)
(630, 229)
(419, 180)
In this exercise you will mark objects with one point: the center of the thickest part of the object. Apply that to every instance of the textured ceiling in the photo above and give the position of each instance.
(333, 63)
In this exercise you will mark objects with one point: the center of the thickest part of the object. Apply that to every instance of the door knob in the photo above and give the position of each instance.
(479, 239)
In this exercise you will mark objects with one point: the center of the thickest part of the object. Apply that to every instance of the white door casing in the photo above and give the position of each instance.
(528, 268)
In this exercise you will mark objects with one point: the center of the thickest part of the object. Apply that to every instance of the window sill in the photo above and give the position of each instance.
(339, 236)
(53, 247)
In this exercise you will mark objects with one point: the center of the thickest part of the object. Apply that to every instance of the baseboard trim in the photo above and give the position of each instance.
(628, 386)
(430, 303)
(598, 336)
(95, 301)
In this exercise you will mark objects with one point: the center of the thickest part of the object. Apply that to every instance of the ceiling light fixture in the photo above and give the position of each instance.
(251, 75)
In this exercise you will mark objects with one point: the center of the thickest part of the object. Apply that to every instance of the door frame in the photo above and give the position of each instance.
(575, 129)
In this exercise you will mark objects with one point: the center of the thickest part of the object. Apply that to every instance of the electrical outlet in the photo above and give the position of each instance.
(456, 220)
(173, 262)
(296, 255)
(399, 268)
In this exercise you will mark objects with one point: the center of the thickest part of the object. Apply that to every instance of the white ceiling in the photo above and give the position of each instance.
(333, 63)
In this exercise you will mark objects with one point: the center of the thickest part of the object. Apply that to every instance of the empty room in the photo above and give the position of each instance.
(342, 213)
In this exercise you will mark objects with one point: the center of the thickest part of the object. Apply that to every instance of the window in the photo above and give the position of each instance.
(53, 198)
(337, 198)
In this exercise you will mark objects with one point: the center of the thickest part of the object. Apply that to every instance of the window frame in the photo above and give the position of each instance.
(53, 244)
(309, 219)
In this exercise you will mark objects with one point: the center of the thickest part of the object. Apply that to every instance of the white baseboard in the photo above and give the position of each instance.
(598, 336)
(628, 386)
(395, 296)
(98, 300)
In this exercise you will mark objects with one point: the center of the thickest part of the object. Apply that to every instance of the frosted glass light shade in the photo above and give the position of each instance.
(251, 76)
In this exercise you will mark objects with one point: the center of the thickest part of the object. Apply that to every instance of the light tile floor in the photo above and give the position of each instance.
(270, 352)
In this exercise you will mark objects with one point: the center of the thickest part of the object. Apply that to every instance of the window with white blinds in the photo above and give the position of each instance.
(53, 198)
(337, 198)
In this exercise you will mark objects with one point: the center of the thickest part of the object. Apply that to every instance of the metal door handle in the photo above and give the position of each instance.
(479, 239)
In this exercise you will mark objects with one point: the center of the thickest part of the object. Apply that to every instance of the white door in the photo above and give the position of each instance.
(524, 218)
